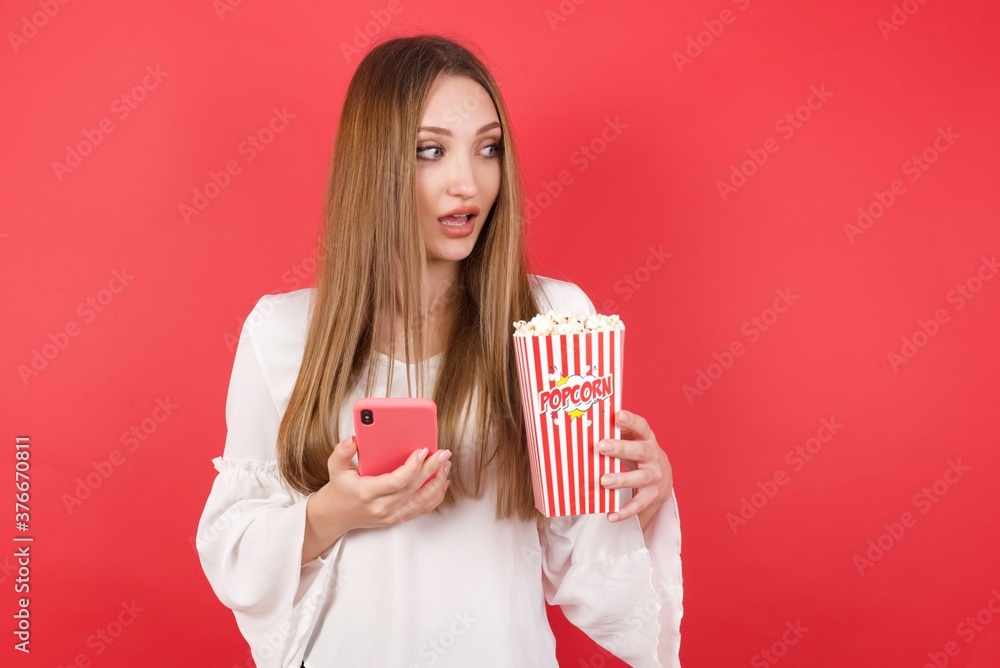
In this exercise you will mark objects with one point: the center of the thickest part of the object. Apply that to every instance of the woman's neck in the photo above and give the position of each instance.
(444, 291)
(442, 284)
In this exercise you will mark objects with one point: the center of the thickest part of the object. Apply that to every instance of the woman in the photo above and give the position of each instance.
(422, 270)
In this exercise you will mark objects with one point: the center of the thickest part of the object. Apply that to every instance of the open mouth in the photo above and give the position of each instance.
(456, 221)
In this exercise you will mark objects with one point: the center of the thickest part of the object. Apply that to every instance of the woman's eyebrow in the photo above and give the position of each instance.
(447, 132)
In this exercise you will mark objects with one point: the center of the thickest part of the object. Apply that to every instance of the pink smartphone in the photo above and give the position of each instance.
(389, 429)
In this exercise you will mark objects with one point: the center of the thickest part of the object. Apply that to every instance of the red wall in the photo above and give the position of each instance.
(809, 111)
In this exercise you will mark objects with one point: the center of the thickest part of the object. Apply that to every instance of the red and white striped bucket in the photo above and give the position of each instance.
(571, 392)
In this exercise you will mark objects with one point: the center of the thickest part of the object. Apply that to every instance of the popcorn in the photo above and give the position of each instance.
(567, 323)
(570, 369)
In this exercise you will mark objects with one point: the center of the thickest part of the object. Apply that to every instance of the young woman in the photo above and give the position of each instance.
(422, 273)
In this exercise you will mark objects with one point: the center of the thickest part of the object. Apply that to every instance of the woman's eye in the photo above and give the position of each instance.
(494, 150)
(428, 152)
(422, 152)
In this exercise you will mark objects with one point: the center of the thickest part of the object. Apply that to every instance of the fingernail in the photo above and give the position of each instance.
(443, 455)
(613, 517)
(604, 446)
(622, 416)
(607, 480)
(422, 455)
(447, 468)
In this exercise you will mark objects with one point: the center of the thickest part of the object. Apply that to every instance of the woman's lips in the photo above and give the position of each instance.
(457, 226)
(456, 221)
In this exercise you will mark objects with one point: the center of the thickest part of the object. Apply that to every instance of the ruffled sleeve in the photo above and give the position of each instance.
(620, 585)
(250, 534)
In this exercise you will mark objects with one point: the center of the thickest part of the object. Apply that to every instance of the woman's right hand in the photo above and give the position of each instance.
(351, 501)
(363, 502)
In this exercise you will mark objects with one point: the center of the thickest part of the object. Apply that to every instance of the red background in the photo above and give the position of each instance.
(168, 335)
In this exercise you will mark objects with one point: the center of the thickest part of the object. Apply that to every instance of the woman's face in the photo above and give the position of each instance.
(458, 166)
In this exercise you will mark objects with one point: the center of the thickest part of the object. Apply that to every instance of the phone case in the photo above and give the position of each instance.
(399, 426)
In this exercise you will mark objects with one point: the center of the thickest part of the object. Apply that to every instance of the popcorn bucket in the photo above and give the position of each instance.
(571, 392)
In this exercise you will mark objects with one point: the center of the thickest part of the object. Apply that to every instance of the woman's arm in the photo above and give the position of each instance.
(323, 527)
(620, 582)
(252, 532)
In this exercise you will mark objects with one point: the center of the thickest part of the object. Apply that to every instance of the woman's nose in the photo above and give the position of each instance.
(462, 180)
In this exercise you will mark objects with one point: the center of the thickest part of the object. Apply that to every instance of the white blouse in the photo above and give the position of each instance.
(455, 588)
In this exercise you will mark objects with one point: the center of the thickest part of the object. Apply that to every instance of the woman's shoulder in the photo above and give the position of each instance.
(279, 314)
(560, 296)
(276, 329)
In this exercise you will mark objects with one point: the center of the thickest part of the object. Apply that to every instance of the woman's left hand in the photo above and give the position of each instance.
(648, 470)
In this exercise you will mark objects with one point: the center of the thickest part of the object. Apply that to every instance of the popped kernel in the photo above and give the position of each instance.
(567, 323)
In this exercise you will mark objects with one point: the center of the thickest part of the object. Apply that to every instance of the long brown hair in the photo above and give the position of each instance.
(372, 262)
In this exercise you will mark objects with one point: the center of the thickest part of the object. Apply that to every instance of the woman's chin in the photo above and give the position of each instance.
(452, 250)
